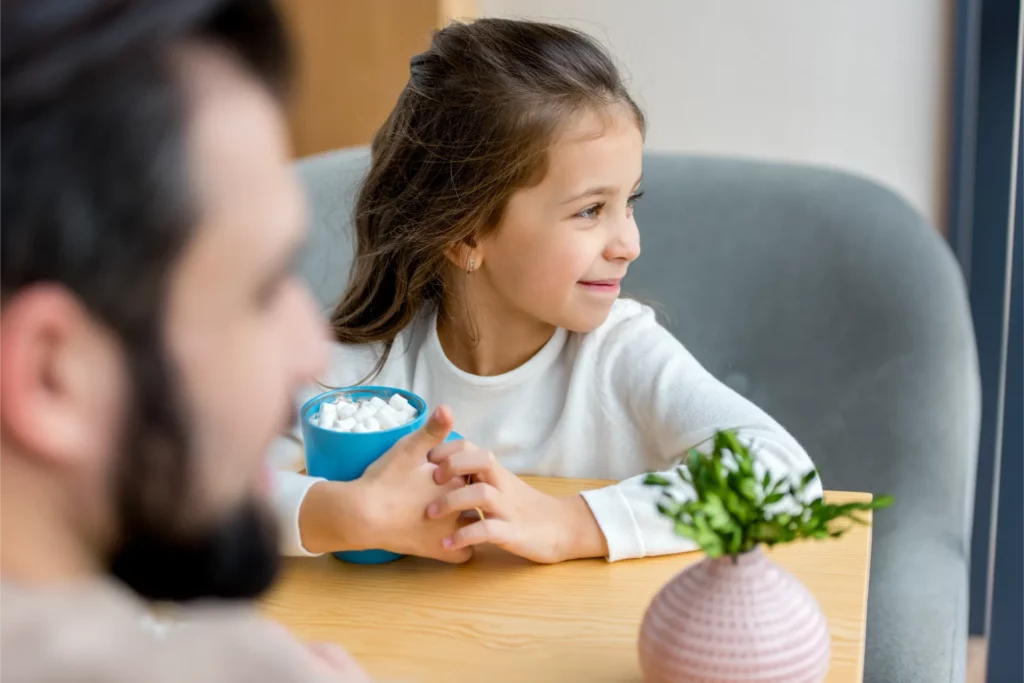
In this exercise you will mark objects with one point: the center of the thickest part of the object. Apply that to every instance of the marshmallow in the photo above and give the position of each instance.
(364, 415)
(387, 419)
(345, 425)
(328, 414)
(387, 410)
(399, 403)
(346, 408)
(365, 412)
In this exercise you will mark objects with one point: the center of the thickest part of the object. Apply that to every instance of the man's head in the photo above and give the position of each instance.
(151, 330)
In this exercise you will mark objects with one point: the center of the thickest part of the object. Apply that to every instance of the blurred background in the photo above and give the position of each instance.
(861, 86)
(921, 96)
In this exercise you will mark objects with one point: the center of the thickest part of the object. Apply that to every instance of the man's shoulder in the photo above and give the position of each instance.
(53, 632)
(104, 634)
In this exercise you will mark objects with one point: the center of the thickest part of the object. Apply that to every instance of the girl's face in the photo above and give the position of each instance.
(563, 246)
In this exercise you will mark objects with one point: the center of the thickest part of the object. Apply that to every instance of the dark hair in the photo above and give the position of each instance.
(96, 194)
(471, 127)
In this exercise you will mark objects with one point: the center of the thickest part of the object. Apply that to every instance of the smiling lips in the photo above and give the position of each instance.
(601, 286)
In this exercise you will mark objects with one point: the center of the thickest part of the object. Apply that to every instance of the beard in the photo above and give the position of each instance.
(232, 556)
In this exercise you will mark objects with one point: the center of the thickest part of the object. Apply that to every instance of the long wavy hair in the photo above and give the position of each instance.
(472, 126)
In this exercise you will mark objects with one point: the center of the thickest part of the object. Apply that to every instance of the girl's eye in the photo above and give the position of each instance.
(590, 212)
(634, 198)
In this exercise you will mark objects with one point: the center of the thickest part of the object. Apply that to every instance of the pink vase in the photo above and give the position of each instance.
(725, 621)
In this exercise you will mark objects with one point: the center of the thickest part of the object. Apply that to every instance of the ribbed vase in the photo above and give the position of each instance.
(726, 621)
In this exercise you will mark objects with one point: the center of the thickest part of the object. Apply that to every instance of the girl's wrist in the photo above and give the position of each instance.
(332, 518)
(581, 535)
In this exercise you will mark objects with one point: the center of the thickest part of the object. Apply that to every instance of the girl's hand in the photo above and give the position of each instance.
(397, 487)
(517, 517)
(385, 507)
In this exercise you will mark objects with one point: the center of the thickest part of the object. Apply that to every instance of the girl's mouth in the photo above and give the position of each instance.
(601, 286)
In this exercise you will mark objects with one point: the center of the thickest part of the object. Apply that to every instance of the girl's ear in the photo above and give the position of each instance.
(465, 255)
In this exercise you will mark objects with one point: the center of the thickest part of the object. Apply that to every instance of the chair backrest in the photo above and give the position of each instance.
(821, 296)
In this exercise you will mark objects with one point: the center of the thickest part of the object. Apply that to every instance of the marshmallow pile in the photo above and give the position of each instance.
(364, 415)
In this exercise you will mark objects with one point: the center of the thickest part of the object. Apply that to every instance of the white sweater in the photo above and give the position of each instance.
(616, 403)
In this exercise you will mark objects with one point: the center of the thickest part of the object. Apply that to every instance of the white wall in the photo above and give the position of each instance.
(860, 85)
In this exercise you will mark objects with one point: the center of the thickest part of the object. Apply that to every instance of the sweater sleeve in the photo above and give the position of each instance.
(678, 405)
(290, 489)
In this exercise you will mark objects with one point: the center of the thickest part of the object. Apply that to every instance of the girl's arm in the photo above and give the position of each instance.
(289, 493)
(381, 509)
(678, 405)
(312, 514)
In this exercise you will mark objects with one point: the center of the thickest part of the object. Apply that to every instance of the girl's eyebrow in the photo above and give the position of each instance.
(597, 191)
(594, 191)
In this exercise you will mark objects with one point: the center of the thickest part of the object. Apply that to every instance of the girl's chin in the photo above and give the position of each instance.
(587, 318)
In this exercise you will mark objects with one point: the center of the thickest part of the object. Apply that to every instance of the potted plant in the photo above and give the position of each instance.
(736, 615)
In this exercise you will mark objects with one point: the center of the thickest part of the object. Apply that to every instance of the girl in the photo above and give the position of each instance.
(493, 231)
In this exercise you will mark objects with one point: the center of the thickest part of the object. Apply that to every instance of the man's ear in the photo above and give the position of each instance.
(62, 379)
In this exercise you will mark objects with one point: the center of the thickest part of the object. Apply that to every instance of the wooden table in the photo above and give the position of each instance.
(499, 618)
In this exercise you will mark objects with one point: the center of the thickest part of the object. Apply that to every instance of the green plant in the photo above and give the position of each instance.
(735, 511)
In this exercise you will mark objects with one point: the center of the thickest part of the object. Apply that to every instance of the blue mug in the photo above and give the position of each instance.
(344, 456)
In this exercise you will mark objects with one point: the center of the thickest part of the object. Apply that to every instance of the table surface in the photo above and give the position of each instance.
(499, 618)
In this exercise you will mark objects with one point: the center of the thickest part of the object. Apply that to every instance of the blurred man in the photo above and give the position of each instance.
(151, 337)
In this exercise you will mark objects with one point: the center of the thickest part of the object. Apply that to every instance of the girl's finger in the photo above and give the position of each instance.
(493, 531)
(481, 497)
(479, 464)
(450, 448)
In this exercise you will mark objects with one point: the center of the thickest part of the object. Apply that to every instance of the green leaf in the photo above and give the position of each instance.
(731, 508)
(713, 546)
(764, 532)
(735, 542)
(669, 508)
(692, 507)
(730, 442)
(718, 517)
(655, 479)
(738, 507)
(748, 489)
(686, 531)
(882, 502)
(778, 486)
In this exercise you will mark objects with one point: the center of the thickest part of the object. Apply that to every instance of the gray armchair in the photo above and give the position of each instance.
(828, 301)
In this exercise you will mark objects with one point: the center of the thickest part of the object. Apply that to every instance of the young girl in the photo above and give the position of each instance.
(493, 231)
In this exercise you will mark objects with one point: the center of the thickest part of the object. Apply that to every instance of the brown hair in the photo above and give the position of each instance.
(471, 127)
